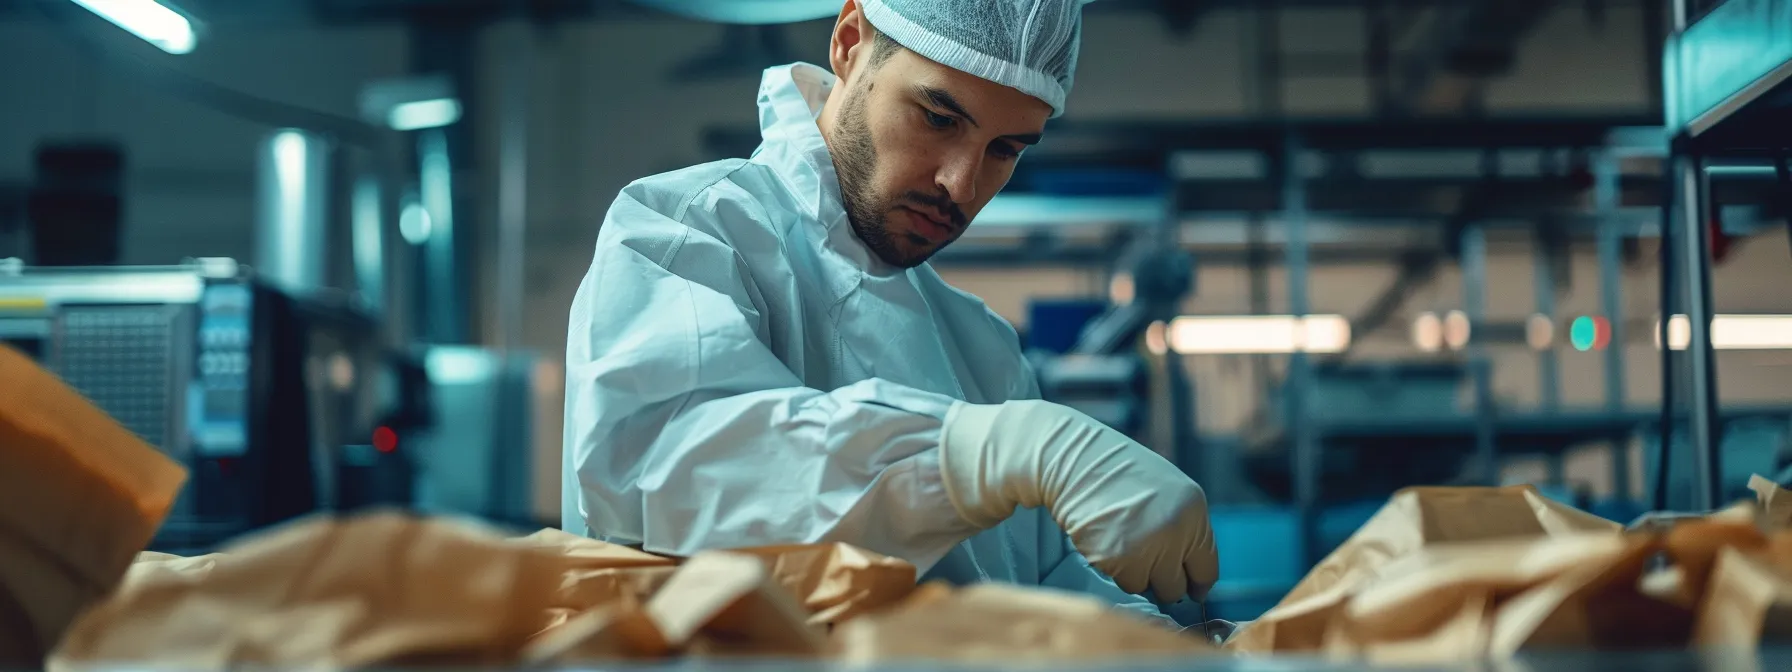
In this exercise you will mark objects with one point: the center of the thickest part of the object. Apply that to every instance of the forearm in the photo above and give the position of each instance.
(790, 465)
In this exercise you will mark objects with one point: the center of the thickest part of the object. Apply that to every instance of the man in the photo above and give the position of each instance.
(760, 353)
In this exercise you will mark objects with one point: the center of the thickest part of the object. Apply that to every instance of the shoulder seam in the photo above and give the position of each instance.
(684, 206)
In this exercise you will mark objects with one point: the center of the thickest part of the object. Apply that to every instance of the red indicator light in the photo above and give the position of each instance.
(385, 440)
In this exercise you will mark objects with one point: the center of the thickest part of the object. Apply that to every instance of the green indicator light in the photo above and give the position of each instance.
(1583, 333)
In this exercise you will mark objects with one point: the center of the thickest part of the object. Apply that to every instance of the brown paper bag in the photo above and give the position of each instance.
(618, 630)
(732, 600)
(79, 496)
(836, 582)
(1438, 584)
(1599, 606)
(1460, 635)
(1775, 502)
(991, 622)
(376, 589)
(587, 553)
(1413, 518)
(582, 590)
(1748, 603)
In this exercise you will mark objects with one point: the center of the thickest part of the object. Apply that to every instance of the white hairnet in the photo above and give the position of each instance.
(1029, 45)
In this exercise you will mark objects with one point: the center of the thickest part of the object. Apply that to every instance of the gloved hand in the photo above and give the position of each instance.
(1135, 516)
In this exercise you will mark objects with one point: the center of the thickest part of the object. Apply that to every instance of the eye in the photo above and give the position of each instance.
(938, 120)
(1003, 150)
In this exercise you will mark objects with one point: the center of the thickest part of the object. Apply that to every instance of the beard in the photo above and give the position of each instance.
(855, 161)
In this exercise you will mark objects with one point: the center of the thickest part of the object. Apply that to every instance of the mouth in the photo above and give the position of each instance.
(932, 227)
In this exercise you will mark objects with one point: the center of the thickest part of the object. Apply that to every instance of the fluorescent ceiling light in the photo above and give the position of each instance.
(156, 24)
(1259, 334)
(423, 114)
(1733, 332)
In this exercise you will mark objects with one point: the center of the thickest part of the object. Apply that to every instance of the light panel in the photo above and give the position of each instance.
(156, 24)
(1259, 334)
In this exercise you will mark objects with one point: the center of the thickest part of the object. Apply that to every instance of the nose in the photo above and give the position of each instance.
(958, 176)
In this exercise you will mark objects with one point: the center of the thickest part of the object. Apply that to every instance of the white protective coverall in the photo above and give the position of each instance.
(741, 370)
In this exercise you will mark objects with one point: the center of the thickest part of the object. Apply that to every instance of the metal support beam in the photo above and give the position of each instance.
(1473, 41)
(1694, 241)
(1549, 377)
(1611, 278)
(1299, 386)
(513, 185)
(1474, 302)
(1664, 462)
(445, 161)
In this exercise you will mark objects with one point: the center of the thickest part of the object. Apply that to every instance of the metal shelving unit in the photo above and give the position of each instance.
(1728, 92)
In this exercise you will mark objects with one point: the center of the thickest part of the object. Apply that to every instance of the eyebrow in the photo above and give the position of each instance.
(944, 98)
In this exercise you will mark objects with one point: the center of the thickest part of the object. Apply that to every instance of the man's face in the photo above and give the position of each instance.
(920, 148)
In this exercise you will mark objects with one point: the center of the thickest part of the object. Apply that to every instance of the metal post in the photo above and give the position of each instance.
(1306, 439)
(1549, 377)
(1606, 198)
(1702, 428)
(293, 210)
(1664, 459)
(513, 186)
(1474, 294)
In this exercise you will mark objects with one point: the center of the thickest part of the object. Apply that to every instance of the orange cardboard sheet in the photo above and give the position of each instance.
(80, 495)
(992, 622)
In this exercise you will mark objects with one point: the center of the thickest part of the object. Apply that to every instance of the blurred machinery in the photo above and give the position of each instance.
(1092, 356)
(248, 386)
(493, 440)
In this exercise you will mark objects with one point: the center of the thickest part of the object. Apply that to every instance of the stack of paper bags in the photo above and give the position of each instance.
(1443, 574)
(392, 589)
(389, 588)
(79, 497)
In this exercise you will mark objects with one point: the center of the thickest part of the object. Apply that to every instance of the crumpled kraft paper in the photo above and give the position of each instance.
(80, 495)
(388, 588)
(618, 630)
(1775, 501)
(736, 605)
(587, 553)
(994, 622)
(377, 589)
(1412, 519)
(1748, 603)
(837, 582)
(1600, 605)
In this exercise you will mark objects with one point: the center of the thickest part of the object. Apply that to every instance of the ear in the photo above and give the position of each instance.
(850, 45)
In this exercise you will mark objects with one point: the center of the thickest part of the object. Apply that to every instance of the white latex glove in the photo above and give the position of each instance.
(1135, 516)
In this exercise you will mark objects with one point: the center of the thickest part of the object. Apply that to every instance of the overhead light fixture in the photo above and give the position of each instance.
(421, 114)
(1428, 332)
(153, 22)
(1457, 329)
(1733, 332)
(1539, 332)
(1259, 334)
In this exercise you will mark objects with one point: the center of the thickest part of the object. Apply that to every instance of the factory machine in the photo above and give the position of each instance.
(249, 387)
